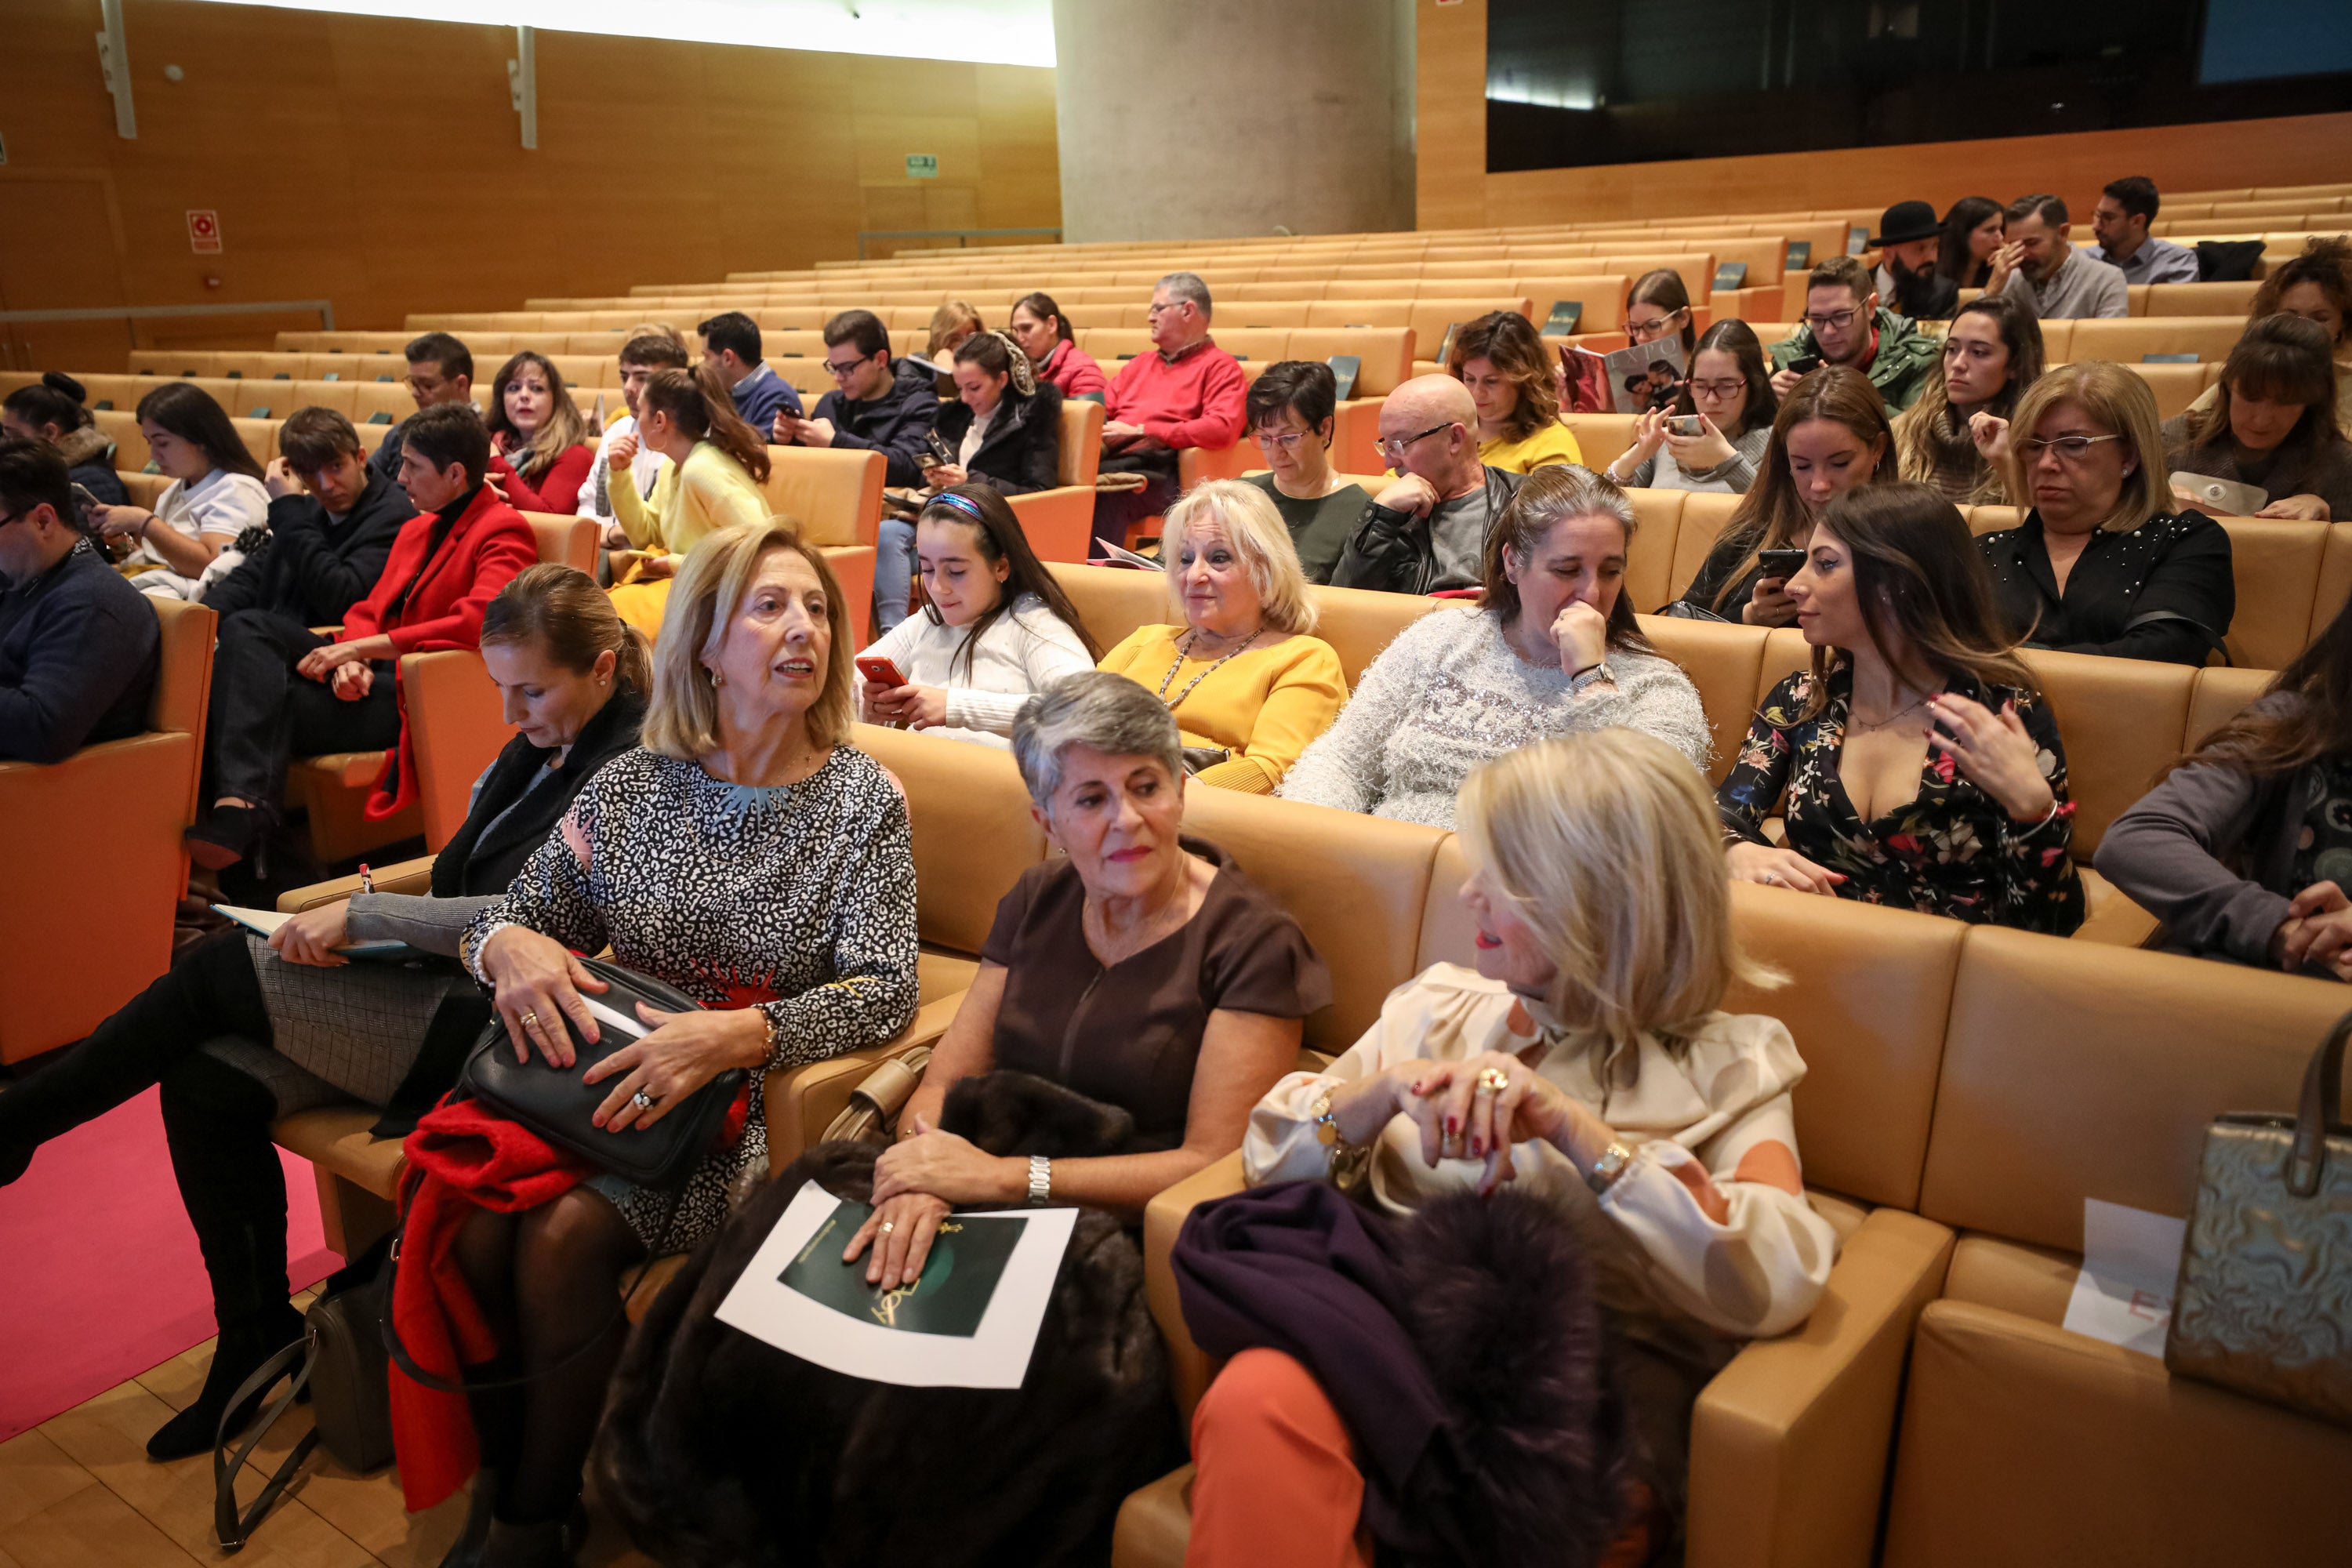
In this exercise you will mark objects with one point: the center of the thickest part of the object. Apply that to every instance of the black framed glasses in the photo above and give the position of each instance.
(1836, 321)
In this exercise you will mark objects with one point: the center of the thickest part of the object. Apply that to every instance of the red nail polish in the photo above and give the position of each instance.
(1453, 1125)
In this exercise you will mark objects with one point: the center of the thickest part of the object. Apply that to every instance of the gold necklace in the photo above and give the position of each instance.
(1183, 652)
(1855, 720)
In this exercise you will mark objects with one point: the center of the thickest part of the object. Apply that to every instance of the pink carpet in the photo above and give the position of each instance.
(104, 1280)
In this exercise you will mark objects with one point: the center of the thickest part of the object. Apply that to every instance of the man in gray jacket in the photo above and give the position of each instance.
(1427, 532)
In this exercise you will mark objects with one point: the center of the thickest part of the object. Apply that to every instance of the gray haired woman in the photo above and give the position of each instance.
(1143, 970)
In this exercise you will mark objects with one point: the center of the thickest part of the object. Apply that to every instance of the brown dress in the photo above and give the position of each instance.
(1130, 1035)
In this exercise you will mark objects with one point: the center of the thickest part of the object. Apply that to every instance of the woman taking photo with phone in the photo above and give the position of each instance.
(1830, 436)
(1714, 437)
(1914, 765)
(993, 630)
(1993, 352)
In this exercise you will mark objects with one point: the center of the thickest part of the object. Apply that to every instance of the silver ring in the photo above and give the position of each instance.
(1771, 878)
(888, 1225)
(642, 1100)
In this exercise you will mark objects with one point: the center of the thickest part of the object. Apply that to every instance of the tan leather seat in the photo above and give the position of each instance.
(1059, 523)
(94, 866)
(836, 498)
(1725, 663)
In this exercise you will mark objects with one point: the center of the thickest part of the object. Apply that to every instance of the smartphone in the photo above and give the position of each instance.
(879, 669)
(1805, 364)
(936, 452)
(1685, 424)
(1780, 563)
(84, 502)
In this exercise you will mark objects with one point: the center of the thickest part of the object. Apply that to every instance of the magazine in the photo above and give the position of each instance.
(969, 1320)
(1643, 376)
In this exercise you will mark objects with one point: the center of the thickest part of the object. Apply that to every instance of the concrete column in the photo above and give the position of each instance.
(1214, 119)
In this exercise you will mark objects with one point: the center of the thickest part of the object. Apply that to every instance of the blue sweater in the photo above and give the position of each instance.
(761, 395)
(79, 649)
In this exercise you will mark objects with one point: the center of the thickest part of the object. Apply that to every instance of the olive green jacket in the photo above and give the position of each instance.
(1907, 358)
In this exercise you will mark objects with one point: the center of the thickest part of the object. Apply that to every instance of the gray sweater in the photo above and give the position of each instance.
(1449, 694)
(2210, 853)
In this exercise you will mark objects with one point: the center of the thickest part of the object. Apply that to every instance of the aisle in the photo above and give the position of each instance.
(104, 1278)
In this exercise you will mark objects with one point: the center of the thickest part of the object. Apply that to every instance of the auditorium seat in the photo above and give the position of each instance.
(836, 498)
(1059, 523)
(94, 867)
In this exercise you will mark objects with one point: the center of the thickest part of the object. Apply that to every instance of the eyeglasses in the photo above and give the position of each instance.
(423, 385)
(1284, 441)
(1722, 390)
(1642, 332)
(1156, 307)
(1394, 447)
(842, 371)
(1836, 321)
(2070, 448)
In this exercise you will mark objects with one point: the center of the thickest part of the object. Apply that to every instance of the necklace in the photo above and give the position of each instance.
(1856, 721)
(1183, 652)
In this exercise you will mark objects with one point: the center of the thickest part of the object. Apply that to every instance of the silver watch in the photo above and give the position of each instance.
(1041, 1180)
(1609, 1167)
(1599, 672)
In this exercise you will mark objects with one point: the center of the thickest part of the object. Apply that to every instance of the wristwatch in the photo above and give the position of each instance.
(1609, 1167)
(1041, 1181)
(1601, 671)
(1346, 1159)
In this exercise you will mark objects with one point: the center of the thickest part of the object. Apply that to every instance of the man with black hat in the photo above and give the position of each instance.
(1906, 277)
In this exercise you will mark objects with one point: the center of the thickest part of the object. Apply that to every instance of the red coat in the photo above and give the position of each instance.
(489, 545)
(557, 490)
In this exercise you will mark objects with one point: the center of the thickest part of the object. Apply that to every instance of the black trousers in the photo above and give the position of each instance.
(1117, 510)
(216, 1119)
(263, 715)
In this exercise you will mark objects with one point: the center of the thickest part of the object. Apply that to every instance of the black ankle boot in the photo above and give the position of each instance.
(227, 835)
(242, 1346)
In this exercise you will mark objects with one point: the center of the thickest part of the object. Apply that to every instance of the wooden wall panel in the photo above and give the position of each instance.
(377, 162)
(1456, 191)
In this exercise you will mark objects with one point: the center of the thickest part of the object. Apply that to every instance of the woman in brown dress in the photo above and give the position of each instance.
(1142, 969)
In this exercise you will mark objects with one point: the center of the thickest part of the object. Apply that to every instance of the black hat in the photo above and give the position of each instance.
(1904, 222)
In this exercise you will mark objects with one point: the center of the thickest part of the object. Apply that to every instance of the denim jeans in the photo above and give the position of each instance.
(894, 572)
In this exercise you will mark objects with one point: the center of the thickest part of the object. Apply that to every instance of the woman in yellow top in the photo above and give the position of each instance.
(1248, 684)
(710, 479)
(1502, 362)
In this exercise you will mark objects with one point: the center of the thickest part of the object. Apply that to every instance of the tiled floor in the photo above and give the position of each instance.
(79, 1491)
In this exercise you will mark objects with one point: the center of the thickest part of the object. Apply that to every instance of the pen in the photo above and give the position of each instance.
(367, 881)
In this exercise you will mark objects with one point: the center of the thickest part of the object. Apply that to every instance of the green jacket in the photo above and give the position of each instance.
(1907, 358)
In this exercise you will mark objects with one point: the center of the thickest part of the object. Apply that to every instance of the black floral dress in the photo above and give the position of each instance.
(798, 899)
(1951, 850)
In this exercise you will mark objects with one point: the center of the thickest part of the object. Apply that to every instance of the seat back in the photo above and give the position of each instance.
(457, 722)
(2276, 567)
(569, 541)
(2122, 719)
(2220, 696)
(2074, 1070)
(1650, 554)
(2128, 340)
(1355, 884)
(1081, 454)
(973, 833)
(836, 496)
(1704, 517)
(1359, 623)
(184, 679)
(1725, 663)
(1113, 600)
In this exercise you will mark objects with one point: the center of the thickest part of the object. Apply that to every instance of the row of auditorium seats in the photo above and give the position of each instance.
(1967, 1089)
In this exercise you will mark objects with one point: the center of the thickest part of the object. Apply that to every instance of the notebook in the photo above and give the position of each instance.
(1801, 255)
(1565, 315)
(1731, 275)
(262, 923)
(1345, 368)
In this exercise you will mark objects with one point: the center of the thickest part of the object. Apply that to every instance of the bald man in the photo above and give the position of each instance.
(1427, 530)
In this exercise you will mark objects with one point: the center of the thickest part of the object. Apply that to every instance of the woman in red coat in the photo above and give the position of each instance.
(447, 563)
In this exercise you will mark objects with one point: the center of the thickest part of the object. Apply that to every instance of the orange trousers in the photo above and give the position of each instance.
(1275, 1477)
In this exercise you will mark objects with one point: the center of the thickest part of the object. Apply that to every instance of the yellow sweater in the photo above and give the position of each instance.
(1555, 443)
(1263, 706)
(706, 493)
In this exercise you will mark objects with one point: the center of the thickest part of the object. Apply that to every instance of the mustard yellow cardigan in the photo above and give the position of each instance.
(706, 493)
(1263, 706)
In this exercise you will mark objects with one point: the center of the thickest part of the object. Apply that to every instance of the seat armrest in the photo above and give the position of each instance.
(1790, 1442)
(803, 1101)
(1188, 1365)
(408, 877)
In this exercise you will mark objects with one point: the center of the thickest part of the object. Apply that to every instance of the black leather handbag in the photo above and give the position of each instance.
(557, 1104)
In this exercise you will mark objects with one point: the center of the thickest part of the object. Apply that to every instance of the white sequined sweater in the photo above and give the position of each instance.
(1449, 694)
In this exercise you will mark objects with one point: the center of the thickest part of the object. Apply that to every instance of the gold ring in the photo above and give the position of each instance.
(888, 1225)
(1495, 1080)
(531, 1020)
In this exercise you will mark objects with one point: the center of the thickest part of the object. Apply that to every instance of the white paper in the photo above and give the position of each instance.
(264, 922)
(997, 1356)
(2130, 1260)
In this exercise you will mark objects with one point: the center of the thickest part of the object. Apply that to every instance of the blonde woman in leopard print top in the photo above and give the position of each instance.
(747, 855)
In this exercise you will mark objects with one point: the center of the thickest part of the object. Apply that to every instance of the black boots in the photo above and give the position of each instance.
(242, 1346)
(227, 835)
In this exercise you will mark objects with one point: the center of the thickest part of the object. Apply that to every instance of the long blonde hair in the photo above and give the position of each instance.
(1607, 846)
(1259, 538)
(682, 718)
(2120, 399)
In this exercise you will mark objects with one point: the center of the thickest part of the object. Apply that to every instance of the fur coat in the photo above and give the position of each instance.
(718, 1448)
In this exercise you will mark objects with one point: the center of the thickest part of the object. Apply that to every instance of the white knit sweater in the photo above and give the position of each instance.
(1450, 694)
(1021, 655)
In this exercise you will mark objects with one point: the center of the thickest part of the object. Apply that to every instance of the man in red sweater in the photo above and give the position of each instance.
(1187, 393)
